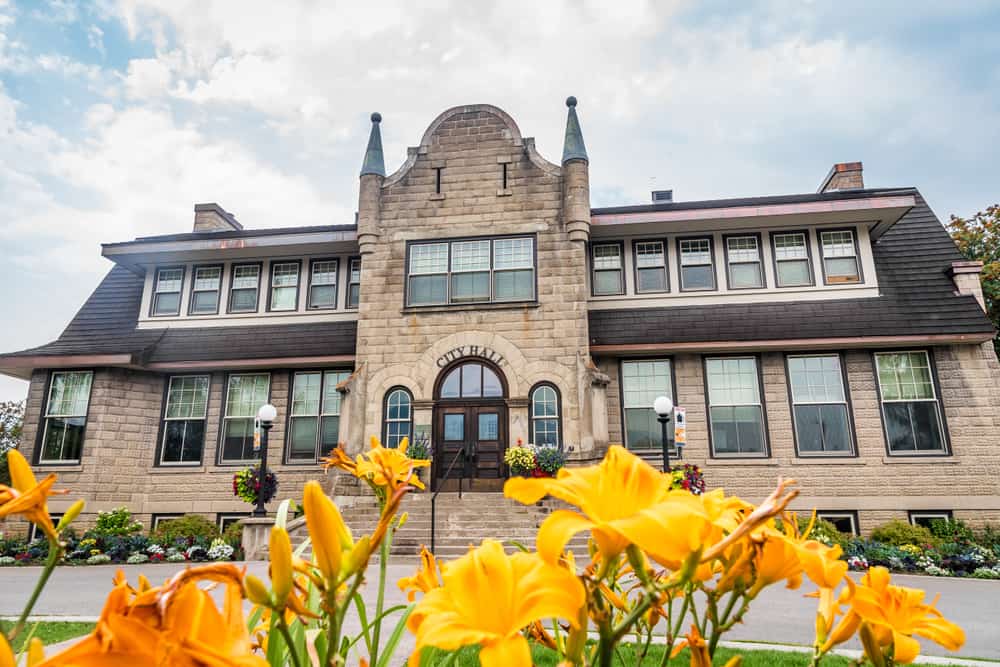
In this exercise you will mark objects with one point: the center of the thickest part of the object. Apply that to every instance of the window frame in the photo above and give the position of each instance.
(180, 290)
(940, 515)
(289, 418)
(44, 420)
(711, 254)
(34, 532)
(270, 284)
(593, 271)
(385, 412)
(857, 255)
(351, 283)
(729, 264)
(222, 516)
(218, 290)
(765, 431)
(232, 278)
(946, 449)
(852, 515)
(309, 284)
(666, 265)
(156, 517)
(220, 459)
(621, 400)
(852, 451)
(161, 433)
(775, 261)
(559, 413)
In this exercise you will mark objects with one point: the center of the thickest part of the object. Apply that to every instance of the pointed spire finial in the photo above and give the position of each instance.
(374, 162)
(573, 146)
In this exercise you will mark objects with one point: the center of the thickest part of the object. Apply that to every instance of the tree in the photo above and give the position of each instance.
(11, 424)
(978, 238)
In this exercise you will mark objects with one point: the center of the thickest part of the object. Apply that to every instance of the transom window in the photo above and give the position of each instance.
(910, 405)
(167, 291)
(245, 393)
(314, 420)
(244, 289)
(819, 404)
(545, 416)
(736, 412)
(65, 417)
(323, 284)
(354, 283)
(206, 284)
(642, 382)
(793, 267)
(398, 416)
(650, 266)
(745, 266)
(609, 271)
(284, 286)
(840, 257)
(697, 264)
(184, 420)
(473, 271)
(471, 380)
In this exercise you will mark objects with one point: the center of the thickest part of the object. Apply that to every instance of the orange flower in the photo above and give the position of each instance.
(382, 467)
(424, 579)
(26, 496)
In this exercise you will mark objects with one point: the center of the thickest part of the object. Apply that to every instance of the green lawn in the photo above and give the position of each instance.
(48, 632)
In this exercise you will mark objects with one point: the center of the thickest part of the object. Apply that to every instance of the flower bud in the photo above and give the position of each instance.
(70, 514)
(280, 553)
(256, 591)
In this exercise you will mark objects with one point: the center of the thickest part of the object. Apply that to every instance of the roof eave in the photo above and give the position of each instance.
(21, 366)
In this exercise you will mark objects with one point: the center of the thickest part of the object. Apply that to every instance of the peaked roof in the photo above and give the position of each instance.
(573, 146)
(374, 162)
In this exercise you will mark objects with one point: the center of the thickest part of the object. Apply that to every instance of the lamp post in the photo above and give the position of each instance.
(664, 407)
(266, 415)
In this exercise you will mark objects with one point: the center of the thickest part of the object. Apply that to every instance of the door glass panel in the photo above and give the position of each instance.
(489, 426)
(454, 427)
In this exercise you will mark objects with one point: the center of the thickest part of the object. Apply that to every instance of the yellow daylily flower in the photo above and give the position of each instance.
(776, 560)
(26, 496)
(382, 467)
(487, 598)
(698, 647)
(896, 613)
(280, 554)
(424, 579)
(326, 529)
(6, 654)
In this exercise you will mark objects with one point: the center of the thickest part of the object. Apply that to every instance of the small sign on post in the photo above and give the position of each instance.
(680, 427)
(256, 436)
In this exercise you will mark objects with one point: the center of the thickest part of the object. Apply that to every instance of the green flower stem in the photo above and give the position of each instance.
(674, 631)
(337, 617)
(383, 563)
(55, 553)
(283, 628)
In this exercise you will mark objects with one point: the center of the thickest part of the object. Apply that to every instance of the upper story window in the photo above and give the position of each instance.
(354, 283)
(792, 265)
(650, 266)
(206, 284)
(609, 268)
(473, 271)
(314, 421)
(244, 288)
(840, 257)
(819, 404)
(184, 420)
(167, 287)
(322, 284)
(697, 264)
(744, 262)
(245, 393)
(735, 412)
(65, 417)
(284, 286)
(910, 406)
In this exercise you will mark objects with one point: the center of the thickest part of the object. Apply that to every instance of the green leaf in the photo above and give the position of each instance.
(397, 634)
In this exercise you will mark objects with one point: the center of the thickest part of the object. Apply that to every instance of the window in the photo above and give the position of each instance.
(398, 416)
(354, 283)
(819, 405)
(206, 284)
(160, 518)
(244, 288)
(65, 417)
(284, 286)
(609, 270)
(471, 271)
(471, 380)
(697, 264)
(792, 266)
(314, 421)
(323, 284)
(245, 393)
(736, 413)
(910, 407)
(184, 419)
(642, 382)
(840, 257)
(225, 520)
(845, 522)
(650, 266)
(926, 518)
(167, 291)
(35, 533)
(545, 411)
(744, 262)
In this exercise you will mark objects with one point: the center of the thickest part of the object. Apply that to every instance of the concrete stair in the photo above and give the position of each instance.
(460, 522)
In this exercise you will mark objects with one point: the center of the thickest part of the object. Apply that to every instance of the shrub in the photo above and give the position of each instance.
(189, 528)
(137, 558)
(7, 560)
(99, 559)
(952, 531)
(117, 521)
(10, 546)
(233, 534)
(419, 448)
(550, 459)
(825, 532)
(897, 533)
(986, 573)
(989, 537)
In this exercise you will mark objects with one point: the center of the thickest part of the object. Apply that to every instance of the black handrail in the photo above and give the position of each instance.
(459, 454)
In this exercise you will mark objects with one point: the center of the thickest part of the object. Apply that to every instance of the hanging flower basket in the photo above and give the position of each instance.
(247, 484)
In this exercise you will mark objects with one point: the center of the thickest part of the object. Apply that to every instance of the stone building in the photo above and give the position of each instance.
(836, 337)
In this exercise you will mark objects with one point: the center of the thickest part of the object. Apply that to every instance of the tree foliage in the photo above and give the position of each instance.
(11, 423)
(978, 238)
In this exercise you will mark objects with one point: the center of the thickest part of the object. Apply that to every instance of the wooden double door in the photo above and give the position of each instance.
(481, 429)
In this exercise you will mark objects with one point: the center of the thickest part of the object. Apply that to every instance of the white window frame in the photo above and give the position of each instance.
(778, 261)
(681, 263)
(313, 263)
(35, 533)
(397, 420)
(351, 282)
(663, 266)
(840, 514)
(730, 262)
(765, 453)
(196, 290)
(233, 288)
(226, 417)
(930, 515)
(557, 417)
(854, 254)
(326, 375)
(449, 272)
(454, 258)
(845, 402)
(158, 518)
(221, 517)
(943, 431)
(620, 269)
(669, 392)
(166, 418)
(49, 415)
(271, 287)
(157, 291)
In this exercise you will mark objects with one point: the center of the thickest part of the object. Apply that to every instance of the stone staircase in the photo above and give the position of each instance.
(460, 522)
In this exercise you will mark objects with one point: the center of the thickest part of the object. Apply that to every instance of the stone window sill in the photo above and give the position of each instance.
(740, 462)
(437, 197)
(828, 461)
(56, 468)
(455, 308)
(176, 470)
(504, 192)
(948, 460)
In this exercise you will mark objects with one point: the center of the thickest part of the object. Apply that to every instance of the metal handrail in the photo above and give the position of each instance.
(447, 472)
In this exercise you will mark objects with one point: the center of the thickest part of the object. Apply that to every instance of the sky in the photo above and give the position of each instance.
(116, 117)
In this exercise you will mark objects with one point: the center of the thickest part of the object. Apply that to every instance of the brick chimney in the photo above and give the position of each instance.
(965, 274)
(213, 218)
(843, 176)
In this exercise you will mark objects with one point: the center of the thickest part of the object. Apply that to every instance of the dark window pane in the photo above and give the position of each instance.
(724, 437)
(167, 303)
(470, 286)
(899, 428)
(450, 386)
(842, 523)
(836, 430)
(173, 442)
(642, 429)
(237, 440)
(395, 432)
(808, 429)
(63, 438)
(546, 432)
(491, 384)
(608, 282)
(204, 302)
(472, 380)
(750, 429)
(303, 438)
(927, 426)
(792, 273)
(454, 427)
(244, 300)
(511, 285)
(651, 280)
(698, 277)
(183, 441)
(745, 275)
(428, 289)
(323, 296)
(330, 434)
(353, 295)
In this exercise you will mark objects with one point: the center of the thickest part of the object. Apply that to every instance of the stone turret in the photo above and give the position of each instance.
(576, 178)
(370, 191)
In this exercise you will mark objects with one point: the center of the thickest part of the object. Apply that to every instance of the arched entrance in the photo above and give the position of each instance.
(470, 413)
